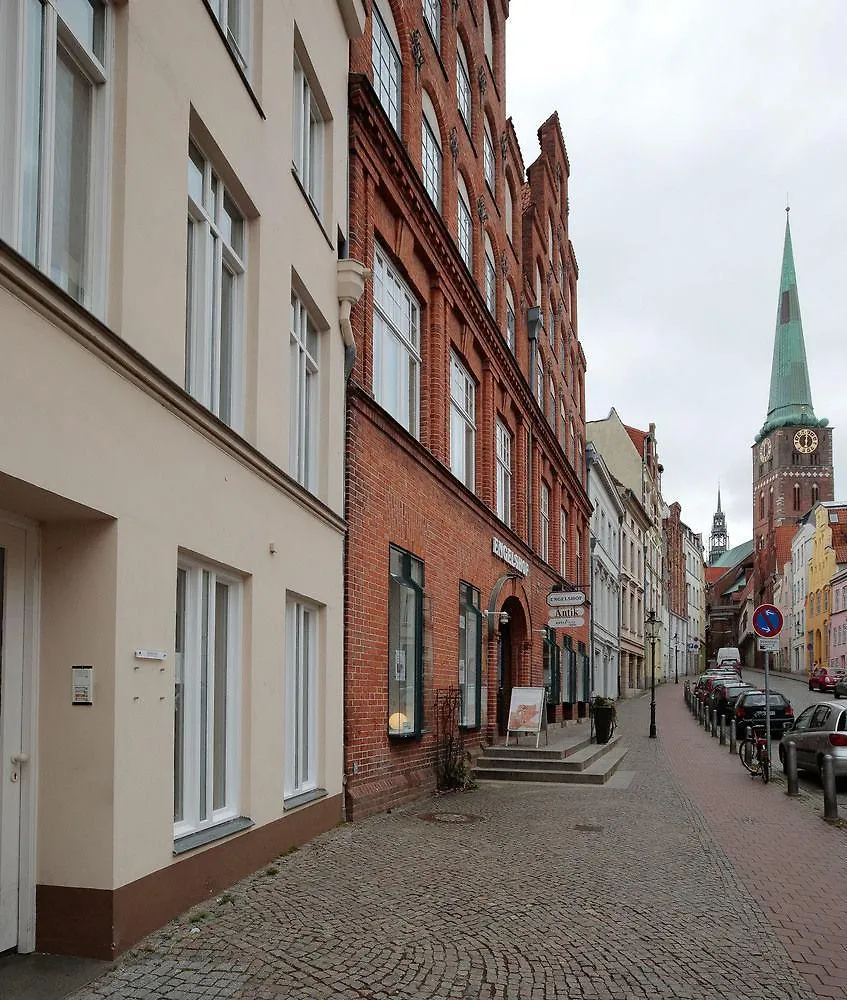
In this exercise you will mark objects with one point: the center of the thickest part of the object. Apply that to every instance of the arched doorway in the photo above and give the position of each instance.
(509, 668)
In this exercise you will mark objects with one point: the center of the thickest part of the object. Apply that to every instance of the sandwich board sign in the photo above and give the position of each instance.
(527, 713)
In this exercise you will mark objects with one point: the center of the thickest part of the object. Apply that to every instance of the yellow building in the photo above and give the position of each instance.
(829, 554)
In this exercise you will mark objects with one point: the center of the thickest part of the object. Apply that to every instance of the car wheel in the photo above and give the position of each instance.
(783, 761)
(810, 686)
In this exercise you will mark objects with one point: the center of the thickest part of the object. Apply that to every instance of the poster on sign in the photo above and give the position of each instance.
(527, 713)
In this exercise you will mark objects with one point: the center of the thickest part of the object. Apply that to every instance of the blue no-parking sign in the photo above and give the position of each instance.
(767, 621)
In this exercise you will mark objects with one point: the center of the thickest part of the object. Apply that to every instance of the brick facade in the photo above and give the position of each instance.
(400, 488)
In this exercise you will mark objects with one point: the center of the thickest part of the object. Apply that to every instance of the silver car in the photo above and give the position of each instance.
(819, 729)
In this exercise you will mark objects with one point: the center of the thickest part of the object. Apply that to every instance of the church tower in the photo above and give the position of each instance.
(718, 539)
(792, 454)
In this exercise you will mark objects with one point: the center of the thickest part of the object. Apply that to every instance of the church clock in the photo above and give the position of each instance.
(805, 441)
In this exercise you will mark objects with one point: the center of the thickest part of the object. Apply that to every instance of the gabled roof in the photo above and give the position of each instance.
(839, 542)
(732, 557)
(713, 574)
(637, 437)
(783, 537)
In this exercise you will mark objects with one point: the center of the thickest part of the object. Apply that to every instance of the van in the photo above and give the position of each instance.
(728, 656)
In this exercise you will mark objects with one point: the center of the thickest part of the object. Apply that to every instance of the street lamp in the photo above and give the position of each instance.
(676, 658)
(654, 627)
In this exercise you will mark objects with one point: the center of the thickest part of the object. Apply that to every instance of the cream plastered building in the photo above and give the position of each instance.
(174, 320)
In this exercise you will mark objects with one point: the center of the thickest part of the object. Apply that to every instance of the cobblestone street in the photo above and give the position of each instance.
(520, 892)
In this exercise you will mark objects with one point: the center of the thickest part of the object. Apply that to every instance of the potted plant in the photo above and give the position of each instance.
(605, 715)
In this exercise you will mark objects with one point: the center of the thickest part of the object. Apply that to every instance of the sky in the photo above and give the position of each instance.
(687, 124)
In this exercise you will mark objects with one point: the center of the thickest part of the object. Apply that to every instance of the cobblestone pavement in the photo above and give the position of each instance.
(546, 891)
(792, 862)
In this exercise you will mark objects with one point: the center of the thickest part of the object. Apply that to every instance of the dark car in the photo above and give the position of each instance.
(750, 709)
(725, 694)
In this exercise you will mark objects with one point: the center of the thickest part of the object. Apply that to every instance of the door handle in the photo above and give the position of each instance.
(20, 758)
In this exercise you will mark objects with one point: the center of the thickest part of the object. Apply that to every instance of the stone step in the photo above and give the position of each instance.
(597, 773)
(560, 749)
(577, 760)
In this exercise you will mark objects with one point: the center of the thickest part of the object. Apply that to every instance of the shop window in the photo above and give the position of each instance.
(405, 643)
(470, 656)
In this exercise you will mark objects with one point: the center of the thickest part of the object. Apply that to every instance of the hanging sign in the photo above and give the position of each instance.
(565, 598)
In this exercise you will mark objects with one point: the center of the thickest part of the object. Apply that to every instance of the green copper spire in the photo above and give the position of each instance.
(790, 402)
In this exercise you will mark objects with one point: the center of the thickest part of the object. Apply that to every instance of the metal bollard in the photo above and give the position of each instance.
(707, 722)
(697, 709)
(830, 802)
(714, 722)
(732, 746)
(723, 730)
(791, 768)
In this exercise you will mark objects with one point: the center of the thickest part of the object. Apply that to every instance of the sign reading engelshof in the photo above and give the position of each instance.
(502, 551)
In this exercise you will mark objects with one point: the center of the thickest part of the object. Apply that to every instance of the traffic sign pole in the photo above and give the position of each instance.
(768, 706)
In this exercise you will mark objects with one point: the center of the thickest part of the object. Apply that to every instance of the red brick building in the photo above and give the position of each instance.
(466, 498)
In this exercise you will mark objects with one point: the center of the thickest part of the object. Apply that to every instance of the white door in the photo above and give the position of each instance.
(12, 595)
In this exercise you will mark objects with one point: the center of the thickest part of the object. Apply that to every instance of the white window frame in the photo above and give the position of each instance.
(464, 222)
(488, 35)
(539, 380)
(503, 453)
(511, 319)
(432, 16)
(563, 542)
(211, 254)
(432, 160)
(34, 239)
(303, 696)
(305, 388)
(396, 332)
(386, 65)
(545, 521)
(490, 278)
(462, 422)
(308, 141)
(464, 100)
(198, 577)
(489, 159)
(236, 30)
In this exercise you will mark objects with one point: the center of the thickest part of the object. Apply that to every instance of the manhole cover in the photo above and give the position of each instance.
(588, 828)
(448, 817)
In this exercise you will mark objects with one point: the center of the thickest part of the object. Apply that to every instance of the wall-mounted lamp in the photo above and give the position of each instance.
(502, 616)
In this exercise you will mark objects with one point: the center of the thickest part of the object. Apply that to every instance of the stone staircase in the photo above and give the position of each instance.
(569, 759)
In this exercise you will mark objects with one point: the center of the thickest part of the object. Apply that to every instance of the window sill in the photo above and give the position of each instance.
(239, 68)
(312, 207)
(200, 838)
(303, 798)
(404, 737)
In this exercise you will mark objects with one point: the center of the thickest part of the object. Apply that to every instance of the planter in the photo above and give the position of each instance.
(604, 723)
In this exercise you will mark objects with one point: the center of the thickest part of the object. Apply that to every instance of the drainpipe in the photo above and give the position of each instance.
(351, 283)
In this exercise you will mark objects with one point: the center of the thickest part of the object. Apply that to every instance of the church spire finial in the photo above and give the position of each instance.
(790, 400)
(719, 498)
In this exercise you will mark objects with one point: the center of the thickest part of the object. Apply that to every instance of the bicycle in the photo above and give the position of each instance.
(755, 753)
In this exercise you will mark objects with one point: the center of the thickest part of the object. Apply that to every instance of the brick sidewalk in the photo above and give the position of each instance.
(520, 892)
(792, 862)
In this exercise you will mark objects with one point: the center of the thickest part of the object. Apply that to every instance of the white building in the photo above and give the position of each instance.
(606, 531)
(173, 322)
(695, 589)
(801, 555)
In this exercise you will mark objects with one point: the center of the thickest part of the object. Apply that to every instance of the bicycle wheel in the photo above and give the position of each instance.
(766, 769)
(747, 753)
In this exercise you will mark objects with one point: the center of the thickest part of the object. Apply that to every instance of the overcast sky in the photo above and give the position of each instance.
(686, 122)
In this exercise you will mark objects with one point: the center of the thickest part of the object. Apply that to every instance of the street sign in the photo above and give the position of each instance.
(565, 622)
(767, 621)
(571, 611)
(565, 598)
(768, 645)
(693, 645)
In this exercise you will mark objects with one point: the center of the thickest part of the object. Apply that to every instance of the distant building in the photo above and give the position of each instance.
(792, 454)
(719, 538)
(695, 589)
(828, 558)
(838, 622)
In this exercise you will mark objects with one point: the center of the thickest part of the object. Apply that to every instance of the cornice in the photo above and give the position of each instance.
(30, 286)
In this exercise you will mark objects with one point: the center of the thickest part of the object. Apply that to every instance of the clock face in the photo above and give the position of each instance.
(805, 441)
(765, 450)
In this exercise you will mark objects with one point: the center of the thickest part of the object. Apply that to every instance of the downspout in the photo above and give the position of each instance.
(351, 284)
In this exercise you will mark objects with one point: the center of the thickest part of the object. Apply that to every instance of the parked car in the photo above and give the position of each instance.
(818, 730)
(725, 694)
(729, 656)
(750, 708)
(841, 685)
(706, 682)
(823, 679)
